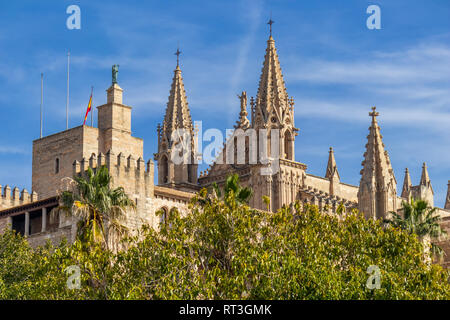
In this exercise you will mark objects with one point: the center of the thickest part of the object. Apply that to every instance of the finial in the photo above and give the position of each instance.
(374, 113)
(178, 56)
(115, 71)
(270, 23)
(331, 149)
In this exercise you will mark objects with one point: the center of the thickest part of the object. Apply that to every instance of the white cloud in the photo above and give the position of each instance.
(13, 150)
(420, 65)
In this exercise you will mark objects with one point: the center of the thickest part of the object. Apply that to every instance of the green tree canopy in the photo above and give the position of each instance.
(100, 210)
(226, 250)
(418, 217)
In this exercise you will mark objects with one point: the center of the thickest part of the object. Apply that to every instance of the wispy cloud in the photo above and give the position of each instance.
(409, 86)
(13, 150)
(252, 18)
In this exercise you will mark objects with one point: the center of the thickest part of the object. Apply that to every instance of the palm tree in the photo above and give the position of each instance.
(242, 195)
(419, 218)
(101, 211)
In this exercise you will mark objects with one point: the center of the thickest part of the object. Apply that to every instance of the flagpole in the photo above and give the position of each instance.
(92, 110)
(42, 100)
(67, 102)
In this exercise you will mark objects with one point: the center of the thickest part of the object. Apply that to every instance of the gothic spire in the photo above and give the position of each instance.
(331, 167)
(272, 95)
(425, 178)
(377, 191)
(376, 164)
(447, 201)
(182, 176)
(406, 185)
(177, 111)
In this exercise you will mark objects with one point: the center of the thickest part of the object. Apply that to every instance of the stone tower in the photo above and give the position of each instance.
(268, 164)
(54, 155)
(177, 164)
(114, 124)
(377, 194)
(273, 109)
(424, 189)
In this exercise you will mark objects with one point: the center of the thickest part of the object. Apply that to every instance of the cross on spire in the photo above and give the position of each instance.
(374, 113)
(270, 23)
(178, 56)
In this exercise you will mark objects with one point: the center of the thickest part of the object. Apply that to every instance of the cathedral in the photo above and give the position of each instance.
(260, 150)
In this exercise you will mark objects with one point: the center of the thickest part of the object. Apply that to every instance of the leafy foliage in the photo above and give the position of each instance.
(223, 249)
(418, 217)
(232, 186)
(101, 211)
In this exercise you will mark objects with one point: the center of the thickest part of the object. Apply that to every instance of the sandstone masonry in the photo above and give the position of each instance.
(59, 157)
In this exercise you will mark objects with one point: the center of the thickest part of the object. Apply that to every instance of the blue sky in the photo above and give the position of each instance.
(333, 66)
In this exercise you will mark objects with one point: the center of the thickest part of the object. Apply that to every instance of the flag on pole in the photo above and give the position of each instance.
(88, 109)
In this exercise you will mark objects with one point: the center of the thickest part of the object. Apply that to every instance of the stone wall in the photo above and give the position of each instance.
(319, 183)
(53, 157)
(15, 197)
(444, 242)
(55, 236)
(341, 190)
(4, 224)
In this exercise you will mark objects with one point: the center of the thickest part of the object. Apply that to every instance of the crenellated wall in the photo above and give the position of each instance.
(134, 175)
(13, 198)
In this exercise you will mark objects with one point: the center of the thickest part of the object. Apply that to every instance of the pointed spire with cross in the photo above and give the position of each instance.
(178, 56)
(377, 194)
(374, 114)
(270, 23)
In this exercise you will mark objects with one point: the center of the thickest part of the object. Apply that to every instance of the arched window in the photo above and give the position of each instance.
(163, 215)
(164, 170)
(56, 165)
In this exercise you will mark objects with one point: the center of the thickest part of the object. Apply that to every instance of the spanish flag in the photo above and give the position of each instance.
(88, 109)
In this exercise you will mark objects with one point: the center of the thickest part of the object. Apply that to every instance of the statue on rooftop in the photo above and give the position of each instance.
(115, 71)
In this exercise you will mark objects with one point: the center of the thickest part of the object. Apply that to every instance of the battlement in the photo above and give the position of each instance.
(134, 175)
(15, 197)
(112, 161)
